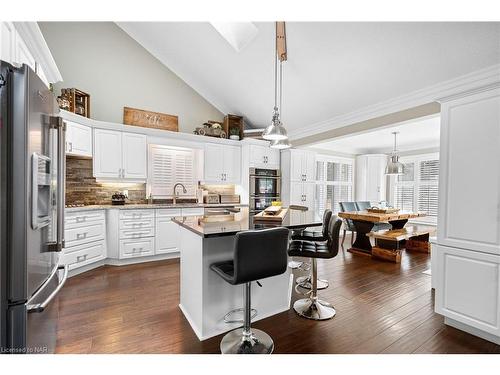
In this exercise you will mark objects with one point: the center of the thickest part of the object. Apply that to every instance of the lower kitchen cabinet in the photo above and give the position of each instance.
(85, 238)
(468, 287)
(167, 236)
(82, 255)
(130, 248)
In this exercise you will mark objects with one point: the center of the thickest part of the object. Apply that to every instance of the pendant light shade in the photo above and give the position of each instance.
(275, 131)
(394, 166)
(281, 144)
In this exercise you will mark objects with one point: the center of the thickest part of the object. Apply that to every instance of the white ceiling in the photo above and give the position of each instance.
(332, 69)
(413, 135)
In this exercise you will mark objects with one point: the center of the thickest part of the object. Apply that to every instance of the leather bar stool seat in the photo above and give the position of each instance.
(312, 307)
(316, 236)
(257, 254)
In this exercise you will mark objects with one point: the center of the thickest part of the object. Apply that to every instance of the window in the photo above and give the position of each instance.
(417, 188)
(334, 182)
(170, 166)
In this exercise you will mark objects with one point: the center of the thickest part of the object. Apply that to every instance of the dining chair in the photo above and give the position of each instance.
(348, 223)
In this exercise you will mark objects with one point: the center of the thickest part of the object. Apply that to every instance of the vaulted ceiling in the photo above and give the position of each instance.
(332, 69)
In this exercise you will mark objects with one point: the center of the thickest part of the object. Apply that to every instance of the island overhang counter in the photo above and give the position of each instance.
(204, 297)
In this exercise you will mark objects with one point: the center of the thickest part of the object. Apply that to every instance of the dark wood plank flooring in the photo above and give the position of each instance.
(381, 308)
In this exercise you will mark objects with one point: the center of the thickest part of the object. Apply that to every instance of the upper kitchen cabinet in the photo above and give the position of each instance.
(222, 164)
(300, 165)
(23, 43)
(119, 155)
(370, 177)
(263, 156)
(134, 156)
(78, 139)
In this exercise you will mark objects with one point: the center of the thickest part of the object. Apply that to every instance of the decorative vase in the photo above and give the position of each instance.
(234, 137)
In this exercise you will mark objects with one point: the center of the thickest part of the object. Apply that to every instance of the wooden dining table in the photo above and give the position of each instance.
(364, 221)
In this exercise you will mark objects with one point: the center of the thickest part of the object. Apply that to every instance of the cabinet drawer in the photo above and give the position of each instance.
(168, 212)
(194, 211)
(82, 218)
(137, 233)
(137, 224)
(136, 248)
(82, 255)
(137, 214)
(84, 234)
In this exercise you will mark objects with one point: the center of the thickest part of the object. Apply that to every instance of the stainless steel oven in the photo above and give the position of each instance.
(265, 187)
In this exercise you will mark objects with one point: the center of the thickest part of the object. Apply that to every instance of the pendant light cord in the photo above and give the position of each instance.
(281, 90)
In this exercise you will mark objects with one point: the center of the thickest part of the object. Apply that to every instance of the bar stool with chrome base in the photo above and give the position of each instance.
(313, 235)
(257, 254)
(312, 307)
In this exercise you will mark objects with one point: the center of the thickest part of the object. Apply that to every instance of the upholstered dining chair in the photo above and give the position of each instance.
(348, 224)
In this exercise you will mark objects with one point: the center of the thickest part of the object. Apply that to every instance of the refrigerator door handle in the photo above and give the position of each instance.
(40, 307)
(57, 123)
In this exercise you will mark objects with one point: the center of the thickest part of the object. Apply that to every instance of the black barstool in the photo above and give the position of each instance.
(313, 235)
(257, 254)
(312, 307)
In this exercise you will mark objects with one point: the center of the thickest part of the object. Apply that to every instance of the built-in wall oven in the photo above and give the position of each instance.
(265, 187)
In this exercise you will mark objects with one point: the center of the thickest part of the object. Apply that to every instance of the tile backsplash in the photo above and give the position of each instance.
(82, 188)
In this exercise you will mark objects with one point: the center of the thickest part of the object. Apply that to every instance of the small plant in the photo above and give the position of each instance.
(234, 131)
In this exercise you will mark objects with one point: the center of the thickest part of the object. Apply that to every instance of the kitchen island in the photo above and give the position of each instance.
(204, 297)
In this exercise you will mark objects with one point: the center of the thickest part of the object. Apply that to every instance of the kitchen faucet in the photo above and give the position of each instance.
(175, 194)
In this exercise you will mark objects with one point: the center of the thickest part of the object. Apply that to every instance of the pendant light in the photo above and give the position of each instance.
(276, 131)
(394, 166)
(282, 143)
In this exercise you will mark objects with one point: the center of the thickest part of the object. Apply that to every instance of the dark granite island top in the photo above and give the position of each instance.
(229, 225)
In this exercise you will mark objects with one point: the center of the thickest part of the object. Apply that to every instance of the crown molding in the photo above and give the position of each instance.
(475, 81)
(34, 40)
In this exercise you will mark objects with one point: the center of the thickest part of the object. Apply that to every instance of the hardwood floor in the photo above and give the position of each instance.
(381, 308)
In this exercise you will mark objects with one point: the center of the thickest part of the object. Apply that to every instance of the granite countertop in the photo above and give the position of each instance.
(243, 221)
(149, 206)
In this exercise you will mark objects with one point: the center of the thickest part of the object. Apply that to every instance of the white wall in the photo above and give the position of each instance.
(102, 60)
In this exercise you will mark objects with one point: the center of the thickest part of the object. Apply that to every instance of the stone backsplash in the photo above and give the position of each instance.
(82, 188)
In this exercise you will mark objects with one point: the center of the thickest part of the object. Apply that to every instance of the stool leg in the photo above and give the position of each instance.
(312, 307)
(246, 340)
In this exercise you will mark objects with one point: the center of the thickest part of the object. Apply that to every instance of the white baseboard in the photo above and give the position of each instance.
(122, 262)
(472, 330)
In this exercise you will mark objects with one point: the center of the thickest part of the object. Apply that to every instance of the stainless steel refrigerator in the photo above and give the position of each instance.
(32, 138)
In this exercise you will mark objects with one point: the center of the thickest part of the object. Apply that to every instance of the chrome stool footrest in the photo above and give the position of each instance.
(227, 317)
(293, 264)
(305, 282)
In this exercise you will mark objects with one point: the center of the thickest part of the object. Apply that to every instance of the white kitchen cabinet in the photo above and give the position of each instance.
(467, 253)
(167, 235)
(302, 194)
(7, 42)
(371, 181)
(263, 156)
(469, 177)
(107, 158)
(298, 169)
(78, 139)
(23, 43)
(119, 155)
(85, 238)
(301, 165)
(222, 164)
(134, 156)
(468, 288)
(136, 233)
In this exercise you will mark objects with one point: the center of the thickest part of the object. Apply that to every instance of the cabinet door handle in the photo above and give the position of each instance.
(81, 219)
(70, 146)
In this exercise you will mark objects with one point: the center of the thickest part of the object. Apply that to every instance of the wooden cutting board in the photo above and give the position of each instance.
(263, 216)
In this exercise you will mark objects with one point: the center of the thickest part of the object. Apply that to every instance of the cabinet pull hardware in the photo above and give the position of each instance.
(80, 236)
(81, 219)
(70, 146)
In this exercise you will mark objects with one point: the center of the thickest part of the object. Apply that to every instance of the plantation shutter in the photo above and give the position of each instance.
(334, 184)
(403, 197)
(168, 167)
(428, 187)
